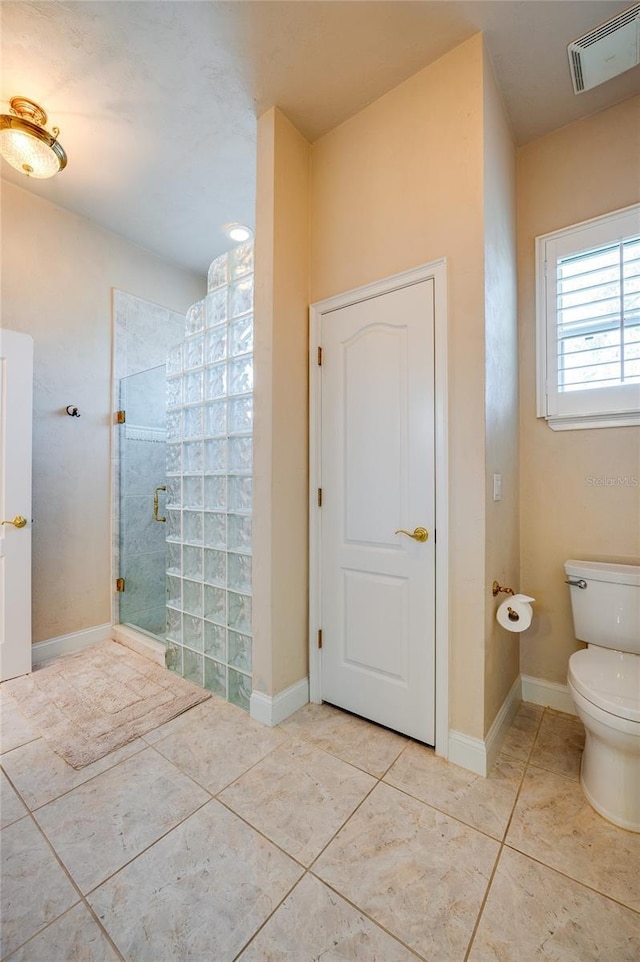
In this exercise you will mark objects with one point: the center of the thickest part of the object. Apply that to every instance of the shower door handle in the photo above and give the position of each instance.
(161, 487)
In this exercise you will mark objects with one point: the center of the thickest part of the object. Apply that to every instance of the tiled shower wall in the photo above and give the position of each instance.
(209, 484)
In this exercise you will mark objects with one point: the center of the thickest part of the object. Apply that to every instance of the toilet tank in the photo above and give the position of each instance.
(606, 610)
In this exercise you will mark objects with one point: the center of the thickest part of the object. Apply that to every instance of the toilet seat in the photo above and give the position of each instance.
(608, 679)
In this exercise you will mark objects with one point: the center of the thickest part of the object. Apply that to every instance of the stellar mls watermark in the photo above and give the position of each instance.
(612, 481)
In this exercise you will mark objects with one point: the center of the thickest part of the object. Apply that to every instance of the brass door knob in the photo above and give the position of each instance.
(418, 534)
(18, 521)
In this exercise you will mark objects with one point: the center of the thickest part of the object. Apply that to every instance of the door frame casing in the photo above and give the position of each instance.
(436, 271)
(16, 497)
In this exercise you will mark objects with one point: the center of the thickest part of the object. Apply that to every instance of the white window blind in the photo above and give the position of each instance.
(598, 310)
(589, 323)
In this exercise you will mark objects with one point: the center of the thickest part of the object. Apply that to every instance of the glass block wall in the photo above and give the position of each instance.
(209, 484)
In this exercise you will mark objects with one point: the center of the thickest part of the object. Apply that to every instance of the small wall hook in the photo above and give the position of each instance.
(72, 411)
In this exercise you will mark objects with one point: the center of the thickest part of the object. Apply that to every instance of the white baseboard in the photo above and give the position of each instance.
(66, 644)
(478, 754)
(271, 710)
(502, 722)
(140, 643)
(467, 752)
(550, 694)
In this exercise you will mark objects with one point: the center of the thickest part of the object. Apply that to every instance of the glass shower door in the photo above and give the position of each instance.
(143, 550)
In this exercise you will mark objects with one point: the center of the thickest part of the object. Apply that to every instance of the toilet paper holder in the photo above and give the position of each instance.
(514, 613)
(497, 588)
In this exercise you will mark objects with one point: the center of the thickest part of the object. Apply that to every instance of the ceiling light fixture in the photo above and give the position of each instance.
(238, 232)
(26, 145)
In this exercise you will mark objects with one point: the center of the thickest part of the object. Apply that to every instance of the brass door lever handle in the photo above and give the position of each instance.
(161, 487)
(18, 521)
(418, 534)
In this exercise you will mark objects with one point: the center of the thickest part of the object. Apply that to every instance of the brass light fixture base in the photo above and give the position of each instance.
(28, 110)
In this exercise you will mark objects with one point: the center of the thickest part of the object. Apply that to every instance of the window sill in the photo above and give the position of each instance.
(577, 422)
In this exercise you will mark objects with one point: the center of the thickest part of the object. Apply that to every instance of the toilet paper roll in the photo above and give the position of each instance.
(515, 613)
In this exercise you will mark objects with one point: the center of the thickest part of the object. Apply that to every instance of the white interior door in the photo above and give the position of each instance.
(16, 401)
(377, 467)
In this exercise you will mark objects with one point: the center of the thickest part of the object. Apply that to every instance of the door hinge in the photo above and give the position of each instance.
(119, 584)
(121, 417)
(320, 356)
(319, 637)
(319, 497)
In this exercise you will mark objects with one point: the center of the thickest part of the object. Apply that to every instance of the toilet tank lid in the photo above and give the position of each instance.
(603, 571)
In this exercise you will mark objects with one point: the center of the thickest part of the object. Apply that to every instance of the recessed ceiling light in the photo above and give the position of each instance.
(238, 232)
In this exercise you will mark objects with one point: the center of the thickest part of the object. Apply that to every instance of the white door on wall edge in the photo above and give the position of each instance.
(16, 403)
(377, 450)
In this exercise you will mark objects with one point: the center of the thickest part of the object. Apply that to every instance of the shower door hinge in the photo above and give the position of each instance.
(121, 417)
(319, 497)
(319, 637)
(320, 356)
(119, 584)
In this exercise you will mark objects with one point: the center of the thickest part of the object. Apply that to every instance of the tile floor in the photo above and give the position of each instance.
(215, 839)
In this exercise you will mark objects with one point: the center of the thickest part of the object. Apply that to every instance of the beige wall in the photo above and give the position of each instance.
(502, 560)
(402, 183)
(57, 274)
(280, 541)
(398, 185)
(581, 171)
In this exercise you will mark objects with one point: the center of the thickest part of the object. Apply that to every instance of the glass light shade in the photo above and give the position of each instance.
(30, 154)
(238, 232)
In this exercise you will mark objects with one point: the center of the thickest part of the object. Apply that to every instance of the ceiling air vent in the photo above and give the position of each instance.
(606, 51)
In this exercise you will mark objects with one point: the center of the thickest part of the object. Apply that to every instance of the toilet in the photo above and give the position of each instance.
(604, 681)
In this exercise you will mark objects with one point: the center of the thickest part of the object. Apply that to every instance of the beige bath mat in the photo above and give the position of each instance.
(88, 704)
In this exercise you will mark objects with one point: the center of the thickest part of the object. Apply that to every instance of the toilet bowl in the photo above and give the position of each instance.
(604, 682)
(605, 687)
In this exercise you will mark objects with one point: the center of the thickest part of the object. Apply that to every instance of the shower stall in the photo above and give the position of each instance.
(183, 479)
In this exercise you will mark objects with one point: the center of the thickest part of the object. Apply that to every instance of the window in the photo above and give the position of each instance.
(588, 299)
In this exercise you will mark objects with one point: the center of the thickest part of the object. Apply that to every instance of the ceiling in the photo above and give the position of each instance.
(157, 101)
